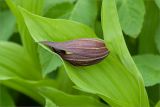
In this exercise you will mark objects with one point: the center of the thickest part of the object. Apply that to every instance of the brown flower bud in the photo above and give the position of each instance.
(80, 52)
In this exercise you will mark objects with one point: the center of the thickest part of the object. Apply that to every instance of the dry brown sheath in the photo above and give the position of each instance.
(80, 52)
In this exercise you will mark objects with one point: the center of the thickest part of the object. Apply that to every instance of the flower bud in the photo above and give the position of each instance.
(80, 52)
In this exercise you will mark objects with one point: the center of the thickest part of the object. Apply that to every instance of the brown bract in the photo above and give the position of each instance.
(80, 52)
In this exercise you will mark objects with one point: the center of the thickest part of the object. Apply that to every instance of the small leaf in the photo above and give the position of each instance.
(131, 16)
(85, 11)
(49, 62)
(149, 68)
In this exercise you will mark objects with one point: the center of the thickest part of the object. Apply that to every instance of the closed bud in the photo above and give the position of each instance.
(80, 52)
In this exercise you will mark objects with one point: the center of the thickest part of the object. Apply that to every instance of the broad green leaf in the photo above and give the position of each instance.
(62, 99)
(64, 29)
(34, 6)
(49, 62)
(158, 3)
(147, 36)
(149, 68)
(85, 11)
(5, 99)
(131, 16)
(114, 39)
(16, 65)
(41, 90)
(7, 24)
(101, 79)
(28, 87)
(63, 81)
(61, 10)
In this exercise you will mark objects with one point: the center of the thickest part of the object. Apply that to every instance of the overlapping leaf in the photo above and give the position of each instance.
(149, 67)
(16, 65)
(5, 98)
(49, 62)
(96, 78)
(63, 99)
(157, 2)
(131, 16)
(34, 6)
(7, 24)
(85, 11)
(61, 10)
(149, 31)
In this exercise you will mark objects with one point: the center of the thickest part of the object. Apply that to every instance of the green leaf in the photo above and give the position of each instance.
(43, 89)
(7, 24)
(62, 99)
(48, 4)
(158, 3)
(157, 38)
(85, 11)
(124, 64)
(157, 35)
(49, 62)
(5, 99)
(49, 103)
(147, 37)
(64, 29)
(131, 16)
(63, 81)
(16, 65)
(158, 104)
(149, 68)
(101, 79)
(34, 7)
(25, 87)
(61, 10)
